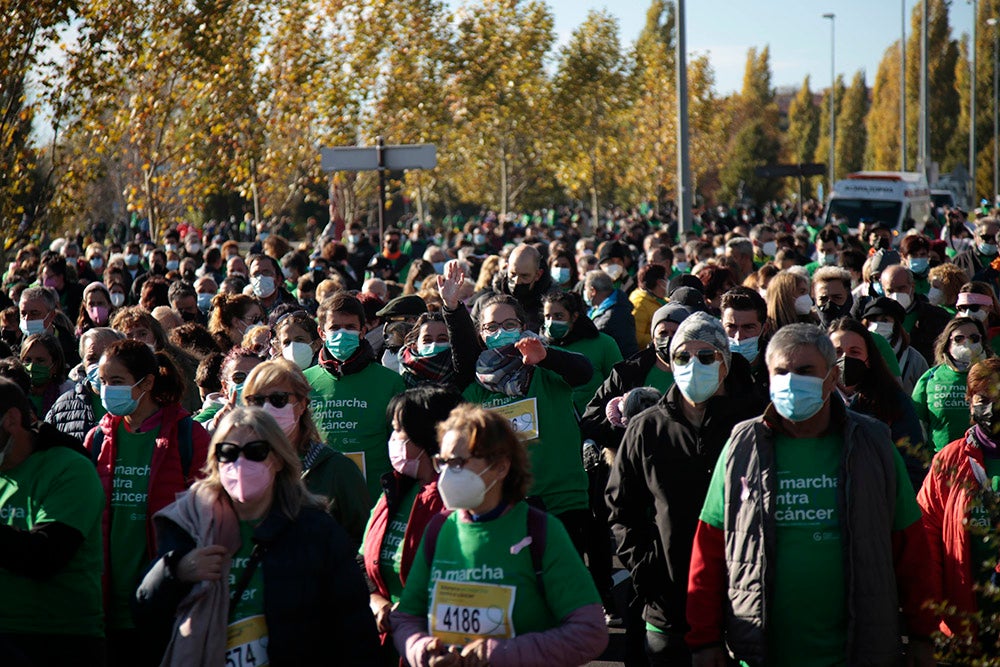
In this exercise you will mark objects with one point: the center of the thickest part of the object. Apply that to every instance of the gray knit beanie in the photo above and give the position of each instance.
(703, 327)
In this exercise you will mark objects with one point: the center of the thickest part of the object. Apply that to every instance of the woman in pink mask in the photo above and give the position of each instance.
(280, 389)
(96, 309)
(409, 500)
(976, 300)
(251, 569)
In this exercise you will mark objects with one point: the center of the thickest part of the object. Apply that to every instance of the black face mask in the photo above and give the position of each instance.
(190, 317)
(662, 345)
(982, 415)
(830, 311)
(392, 246)
(852, 371)
(520, 291)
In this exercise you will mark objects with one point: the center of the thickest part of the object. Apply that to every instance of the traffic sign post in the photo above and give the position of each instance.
(798, 171)
(380, 158)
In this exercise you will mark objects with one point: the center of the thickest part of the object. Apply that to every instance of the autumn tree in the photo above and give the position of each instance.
(882, 123)
(822, 154)
(851, 138)
(590, 89)
(803, 128)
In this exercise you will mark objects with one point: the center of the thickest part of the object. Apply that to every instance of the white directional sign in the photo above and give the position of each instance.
(394, 158)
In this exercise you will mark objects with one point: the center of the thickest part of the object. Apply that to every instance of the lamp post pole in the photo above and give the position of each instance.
(833, 94)
(902, 90)
(972, 105)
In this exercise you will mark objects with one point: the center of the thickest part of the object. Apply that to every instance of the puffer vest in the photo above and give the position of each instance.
(866, 507)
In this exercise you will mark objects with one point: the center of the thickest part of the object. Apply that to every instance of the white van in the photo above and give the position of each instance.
(899, 199)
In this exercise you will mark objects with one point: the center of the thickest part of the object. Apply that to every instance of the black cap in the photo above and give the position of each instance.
(613, 250)
(883, 259)
(685, 280)
(884, 306)
(404, 306)
(690, 297)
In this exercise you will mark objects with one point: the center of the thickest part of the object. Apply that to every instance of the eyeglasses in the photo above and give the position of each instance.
(278, 399)
(706, 357)
(960, 338)
(507, 325)
(455, 462)
(239, 377)
(255, 450)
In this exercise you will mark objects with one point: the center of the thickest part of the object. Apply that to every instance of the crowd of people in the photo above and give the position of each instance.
(426, 448)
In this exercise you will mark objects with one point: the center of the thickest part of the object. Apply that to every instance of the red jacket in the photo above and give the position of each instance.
(944, 499)
(427, 504)
(166, 476)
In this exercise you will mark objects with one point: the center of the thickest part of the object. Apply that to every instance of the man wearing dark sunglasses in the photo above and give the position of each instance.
(664, 463)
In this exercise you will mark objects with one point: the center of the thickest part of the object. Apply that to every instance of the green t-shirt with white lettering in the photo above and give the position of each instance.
(489, 565)
(246, 636)
(659, 379)
(809, 541)
(544, 418)
(350, 413)
(939, 401)
(391, 553)
(54, 485)
(603, 353)
(130, 487)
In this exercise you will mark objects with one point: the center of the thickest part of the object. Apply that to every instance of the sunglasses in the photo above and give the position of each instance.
(455, 462)
(988, 238)
(278, 399)
(255, 450)
(972, 338)
(239, 377)
(706, 357)
(969, 307)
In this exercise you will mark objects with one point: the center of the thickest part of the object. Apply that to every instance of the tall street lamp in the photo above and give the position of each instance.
(902, 91)
(972, 105)
(996, 129)
(833, 94)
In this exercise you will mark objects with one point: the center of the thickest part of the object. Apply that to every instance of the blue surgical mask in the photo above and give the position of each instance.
(697, 381)
(117, 399)
(797, 397)
(439, 268)
(748, 347)
(501, 338)
(587, 299)
(204, 301)
(94, 378)
(989, 249)
(878, 288)
(173, 264)
(238, 389)
(342, 343)
(560, 274)
(919, 265)
(681, 267)
(132, 259)
(97, 263)
(430, 349)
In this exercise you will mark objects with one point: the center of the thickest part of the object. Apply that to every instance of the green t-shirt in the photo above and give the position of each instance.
(939, 401)
(808, 541)
(55, 485)
(129, 491)
(391, 553)
(603, 353)
(246, 636)
(544, 418)
(97, 406)
(488, 565)
(659, 379)
(350, 413)
(206, 413)
(921, 285)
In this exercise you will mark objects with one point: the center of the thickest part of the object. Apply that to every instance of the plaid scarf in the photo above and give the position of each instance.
(503, 371)
(417, 370)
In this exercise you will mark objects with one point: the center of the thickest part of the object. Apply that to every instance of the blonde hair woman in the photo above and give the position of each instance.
(296, 591)
(280, 389)
(788, 301)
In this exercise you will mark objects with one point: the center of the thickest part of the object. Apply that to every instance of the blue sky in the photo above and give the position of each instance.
(796, 31)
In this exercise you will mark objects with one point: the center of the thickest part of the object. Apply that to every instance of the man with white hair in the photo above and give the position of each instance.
(810, 539)
(610, 310)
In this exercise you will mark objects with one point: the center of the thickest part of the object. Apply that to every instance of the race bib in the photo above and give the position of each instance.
(461, 612)
(523, 417)
(359, 460)
(246, 643)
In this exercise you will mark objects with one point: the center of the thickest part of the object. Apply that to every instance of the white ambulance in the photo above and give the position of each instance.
(899, 199)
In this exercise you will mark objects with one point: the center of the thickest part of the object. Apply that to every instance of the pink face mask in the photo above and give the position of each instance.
(397, 455)
(284, 416)
(99, 314)
(245, 480)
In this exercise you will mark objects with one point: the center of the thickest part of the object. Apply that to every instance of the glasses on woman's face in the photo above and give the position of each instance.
(239, 377)
(958, 339)
(455, 462)
(255, 450)
(705, 357)
(278, 399)
(507, 325)
(970, 308)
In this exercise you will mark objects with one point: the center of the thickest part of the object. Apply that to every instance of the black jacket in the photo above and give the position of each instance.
(531, 301)
(625, 375)
(664, 464)
(931, 321)
(315, 597)
(73, 413)
(618, 322)
(969, 261)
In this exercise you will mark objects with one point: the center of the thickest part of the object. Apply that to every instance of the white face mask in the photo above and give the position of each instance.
(29, 327)
(615, 271)
(935, 296)
(462, 489)
(980, 314)
(883, 329)
(770, 248)
(902, 298)
(803, 304)
(117, 299)
(299, 353)
(966, 355)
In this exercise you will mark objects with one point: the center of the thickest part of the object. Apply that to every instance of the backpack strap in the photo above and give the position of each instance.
(185, 446)
(537, 531)
(431, 535)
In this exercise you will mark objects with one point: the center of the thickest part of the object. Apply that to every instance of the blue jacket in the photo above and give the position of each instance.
(613, 316)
